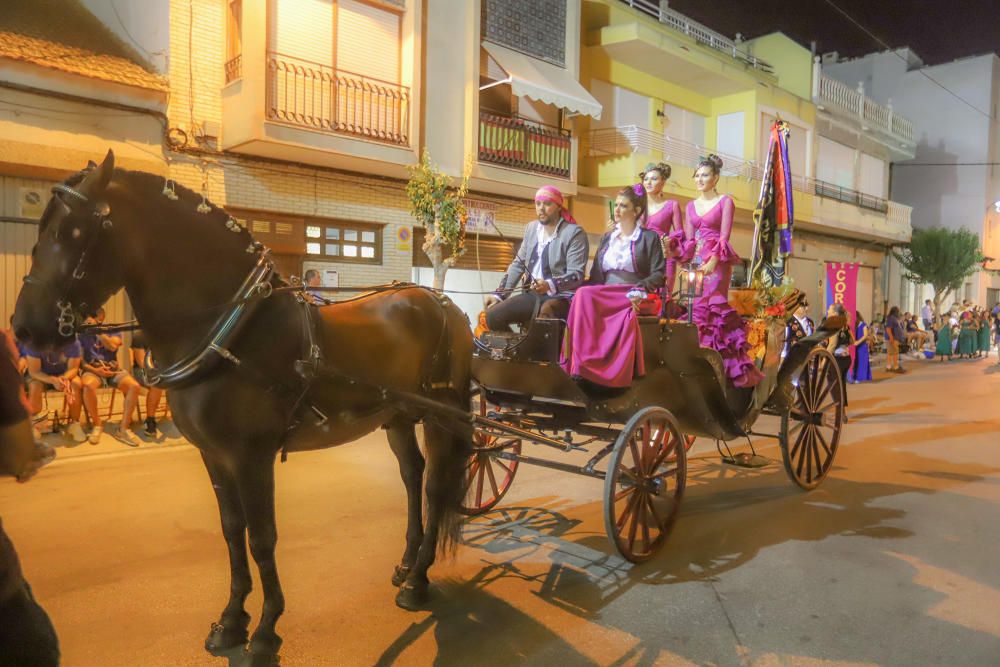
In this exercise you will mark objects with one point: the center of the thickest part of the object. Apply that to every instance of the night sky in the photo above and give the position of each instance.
(938, 31)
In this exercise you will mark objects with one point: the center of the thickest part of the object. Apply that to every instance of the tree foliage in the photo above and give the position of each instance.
(942, 258)
(437, 205)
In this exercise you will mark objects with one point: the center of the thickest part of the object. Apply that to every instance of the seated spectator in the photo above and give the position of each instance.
(140, 352)
(915, 337)
(101, 369)
(602, 343)
(313, 281)
(551, 261)
(59, 370)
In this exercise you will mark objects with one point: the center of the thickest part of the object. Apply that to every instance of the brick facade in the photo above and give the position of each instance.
(268, 187)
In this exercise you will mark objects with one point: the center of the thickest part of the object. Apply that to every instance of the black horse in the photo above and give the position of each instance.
(253, 370)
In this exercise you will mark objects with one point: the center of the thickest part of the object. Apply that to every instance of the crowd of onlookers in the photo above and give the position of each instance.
(964, 331)
(77, 371)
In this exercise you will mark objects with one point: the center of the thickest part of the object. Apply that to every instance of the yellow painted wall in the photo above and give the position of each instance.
(791, 61)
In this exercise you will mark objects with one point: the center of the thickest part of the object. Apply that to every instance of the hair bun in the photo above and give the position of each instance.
(715, 160)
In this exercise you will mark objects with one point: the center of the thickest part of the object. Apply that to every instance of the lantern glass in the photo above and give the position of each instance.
(692, 286)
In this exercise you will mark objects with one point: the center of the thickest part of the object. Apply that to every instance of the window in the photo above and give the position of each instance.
(342, 241)
(729, 136)
(234, 40)
(682, 124)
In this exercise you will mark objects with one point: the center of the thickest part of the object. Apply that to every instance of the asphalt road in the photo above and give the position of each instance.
(895, 560)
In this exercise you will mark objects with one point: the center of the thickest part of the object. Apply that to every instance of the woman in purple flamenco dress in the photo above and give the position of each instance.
(664, 218)
(707, 227)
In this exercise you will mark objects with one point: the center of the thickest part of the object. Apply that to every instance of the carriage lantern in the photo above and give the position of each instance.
(692, 285)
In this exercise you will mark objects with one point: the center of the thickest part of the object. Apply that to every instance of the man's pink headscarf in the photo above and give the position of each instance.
(551, 193)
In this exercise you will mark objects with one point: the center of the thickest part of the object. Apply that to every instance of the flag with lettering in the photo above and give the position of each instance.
(842, 288)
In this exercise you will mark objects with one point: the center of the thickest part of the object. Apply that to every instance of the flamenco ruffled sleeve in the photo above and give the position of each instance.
(722, 250)
(686, 247)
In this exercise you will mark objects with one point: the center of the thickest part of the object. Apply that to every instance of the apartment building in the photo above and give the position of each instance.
(951, 179)
(70, 89)
(675, 90)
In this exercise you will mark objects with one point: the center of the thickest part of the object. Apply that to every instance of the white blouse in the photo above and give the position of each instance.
(618, 256)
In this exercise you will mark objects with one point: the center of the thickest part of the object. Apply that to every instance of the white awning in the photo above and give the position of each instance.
(530, 77)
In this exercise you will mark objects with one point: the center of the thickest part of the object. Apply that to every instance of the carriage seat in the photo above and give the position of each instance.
(541, 342)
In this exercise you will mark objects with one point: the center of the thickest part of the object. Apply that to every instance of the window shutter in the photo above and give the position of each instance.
(368, 40)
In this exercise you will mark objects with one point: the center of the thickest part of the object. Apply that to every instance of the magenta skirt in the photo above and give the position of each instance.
(602, 342)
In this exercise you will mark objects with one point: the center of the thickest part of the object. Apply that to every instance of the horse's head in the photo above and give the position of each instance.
(73, 267)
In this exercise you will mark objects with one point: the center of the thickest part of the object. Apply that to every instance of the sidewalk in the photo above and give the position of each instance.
(66, 448)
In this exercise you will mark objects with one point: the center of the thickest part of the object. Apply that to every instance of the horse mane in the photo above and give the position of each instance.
(185, 206)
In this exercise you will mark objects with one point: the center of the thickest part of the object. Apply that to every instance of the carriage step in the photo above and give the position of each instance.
(746, 460)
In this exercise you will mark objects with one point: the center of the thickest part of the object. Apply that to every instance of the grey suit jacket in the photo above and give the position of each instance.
(563, 263)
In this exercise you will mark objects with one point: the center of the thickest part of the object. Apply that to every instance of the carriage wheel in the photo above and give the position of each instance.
(810, 428)
(644, 484)
(487, 476)
(688, 444)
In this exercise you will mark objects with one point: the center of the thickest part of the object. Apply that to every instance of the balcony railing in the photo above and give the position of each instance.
(317, 96)
(234, 68)
(633, 139)
(698, 32)
(523, 144)
(853, 101)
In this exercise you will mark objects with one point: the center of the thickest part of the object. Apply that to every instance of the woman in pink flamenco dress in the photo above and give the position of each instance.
(707, 227)
(664, 218)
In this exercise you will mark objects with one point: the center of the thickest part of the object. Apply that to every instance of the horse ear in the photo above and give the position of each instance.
(94, 183)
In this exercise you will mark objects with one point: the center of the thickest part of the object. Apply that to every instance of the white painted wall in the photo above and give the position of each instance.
(463, 280)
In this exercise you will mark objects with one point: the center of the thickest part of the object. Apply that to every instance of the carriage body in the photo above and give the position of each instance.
(646, 428)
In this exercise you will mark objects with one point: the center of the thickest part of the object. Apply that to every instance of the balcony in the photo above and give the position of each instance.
(848, 104)
(319, 97)
(518, 143)
(698, 32)
(819, 204)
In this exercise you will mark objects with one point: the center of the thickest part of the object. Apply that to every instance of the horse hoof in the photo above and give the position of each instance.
(258, 659)
(221, 639)
(412, 597)
(399, 575)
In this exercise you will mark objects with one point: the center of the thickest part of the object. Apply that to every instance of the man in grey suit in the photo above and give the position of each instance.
(552, 260)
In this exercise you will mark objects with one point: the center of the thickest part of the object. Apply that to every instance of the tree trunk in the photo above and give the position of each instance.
(436, 255)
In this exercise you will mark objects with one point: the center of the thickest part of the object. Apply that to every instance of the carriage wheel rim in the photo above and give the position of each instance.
(487, 477)
(811, 427)
(645, 484)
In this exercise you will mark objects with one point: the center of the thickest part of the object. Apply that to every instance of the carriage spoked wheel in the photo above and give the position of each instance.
(487, 476)
(810, 428)
(647, 471)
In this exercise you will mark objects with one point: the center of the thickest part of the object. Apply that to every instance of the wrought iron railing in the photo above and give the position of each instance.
(698, 32)
(523, 144)
(317, 96)
(234, 68)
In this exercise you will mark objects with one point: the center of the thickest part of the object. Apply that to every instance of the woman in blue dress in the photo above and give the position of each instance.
(862, 370)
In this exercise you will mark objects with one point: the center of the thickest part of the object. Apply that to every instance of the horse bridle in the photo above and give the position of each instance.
(68, 315)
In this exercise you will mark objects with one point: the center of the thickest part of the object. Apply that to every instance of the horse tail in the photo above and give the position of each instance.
(456, 437)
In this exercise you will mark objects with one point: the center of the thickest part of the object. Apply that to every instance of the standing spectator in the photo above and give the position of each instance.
(59, 369)
(894, 335)
(840, 345)
(985, 334)
(26, 633)
(140, 352)
(966, 336)
(943, 348)
(862, 371)
(927, 315)
(101, 369)
(313, 281)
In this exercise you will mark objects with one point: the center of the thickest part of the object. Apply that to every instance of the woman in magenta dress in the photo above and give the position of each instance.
(602, 342)
(707, 227)
(664, 218)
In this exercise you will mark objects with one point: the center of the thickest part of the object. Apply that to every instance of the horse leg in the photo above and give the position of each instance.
(255, 481)
(403, 441)
(231, 630)
(446, 458)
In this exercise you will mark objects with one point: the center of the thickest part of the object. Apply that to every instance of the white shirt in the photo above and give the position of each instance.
(925, 313)
(545, 236)
(618, 256)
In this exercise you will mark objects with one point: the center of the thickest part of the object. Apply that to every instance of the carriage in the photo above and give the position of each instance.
(525, 396)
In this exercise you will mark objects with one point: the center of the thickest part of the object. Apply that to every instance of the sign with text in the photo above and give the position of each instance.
(482, 216)
(842, 288)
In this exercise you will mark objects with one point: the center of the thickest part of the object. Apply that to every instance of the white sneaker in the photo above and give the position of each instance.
(75, 432)
(95, 434)
(124, 435)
